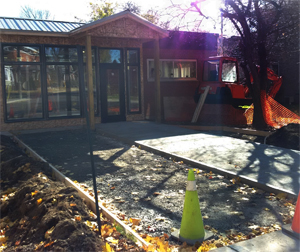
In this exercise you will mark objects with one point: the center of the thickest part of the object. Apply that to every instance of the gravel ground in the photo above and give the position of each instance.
(143, 185)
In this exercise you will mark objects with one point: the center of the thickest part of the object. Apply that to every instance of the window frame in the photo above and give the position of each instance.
(150, 79)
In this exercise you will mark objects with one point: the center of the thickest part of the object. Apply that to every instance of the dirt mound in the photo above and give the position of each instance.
(286, 137)
(38, 213)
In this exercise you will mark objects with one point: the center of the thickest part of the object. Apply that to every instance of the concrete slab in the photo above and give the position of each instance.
(275, 242)
(274, 167)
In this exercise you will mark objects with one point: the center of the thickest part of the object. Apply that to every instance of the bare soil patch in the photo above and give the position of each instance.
(40, 214)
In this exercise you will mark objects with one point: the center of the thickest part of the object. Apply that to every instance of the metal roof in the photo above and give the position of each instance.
(24, 24)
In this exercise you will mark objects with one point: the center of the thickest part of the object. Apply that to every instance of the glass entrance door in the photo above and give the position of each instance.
(112, 86)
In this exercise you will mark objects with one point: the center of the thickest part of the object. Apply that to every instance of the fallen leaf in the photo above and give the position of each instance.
(34, 193)
(134, 221)
(156, 193)
(39, 201)
(48, 244)
(72, 204)
(112, 188)
(17, 243)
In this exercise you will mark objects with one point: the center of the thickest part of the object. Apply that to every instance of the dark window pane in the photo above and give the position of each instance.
(21, 53)
(132, 56)
(93, 55)
(211, 70)
(110, 56)
(61, 54)
(133, 89)
(63, 90)
(23, 92)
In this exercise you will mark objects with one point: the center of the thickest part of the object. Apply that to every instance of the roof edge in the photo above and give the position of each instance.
(117, 16)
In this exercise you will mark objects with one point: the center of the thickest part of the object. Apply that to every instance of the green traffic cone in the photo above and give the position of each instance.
(191, 229)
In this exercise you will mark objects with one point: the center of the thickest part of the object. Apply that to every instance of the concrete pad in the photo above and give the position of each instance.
(273, 167)
(272, 242)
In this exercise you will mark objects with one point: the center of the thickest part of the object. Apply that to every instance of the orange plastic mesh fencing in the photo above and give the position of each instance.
(275, 114)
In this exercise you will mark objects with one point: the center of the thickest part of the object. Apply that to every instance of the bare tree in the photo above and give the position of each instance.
(29, 12)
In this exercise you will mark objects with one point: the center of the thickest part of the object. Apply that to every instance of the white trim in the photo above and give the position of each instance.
(191, 186)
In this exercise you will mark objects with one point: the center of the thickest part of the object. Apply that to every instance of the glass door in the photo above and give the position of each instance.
(112, 86)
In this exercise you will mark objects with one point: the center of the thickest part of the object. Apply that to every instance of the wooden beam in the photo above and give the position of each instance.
(158, 116)
(200, 105)
(89, 79)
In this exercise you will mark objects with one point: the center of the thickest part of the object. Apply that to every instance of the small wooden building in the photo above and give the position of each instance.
(50, 70)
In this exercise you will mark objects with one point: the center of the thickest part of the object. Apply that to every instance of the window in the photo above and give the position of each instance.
(61, 54)
(133, 81)
(173, 69)
(22, 82)
(110, 56)
(63, 92)
(23, 92)
(21, 53)
(211, 70)
(229, 71)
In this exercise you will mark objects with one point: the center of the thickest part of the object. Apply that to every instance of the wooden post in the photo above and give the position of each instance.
(157, 82)
(89, 79)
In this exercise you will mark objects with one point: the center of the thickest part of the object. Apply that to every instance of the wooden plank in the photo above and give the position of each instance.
(158, 116)
(89, 77)
(200, 105)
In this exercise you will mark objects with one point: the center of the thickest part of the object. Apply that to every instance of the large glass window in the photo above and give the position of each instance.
(133, 83)
(63, 90)
(173, 69)
(23, 92)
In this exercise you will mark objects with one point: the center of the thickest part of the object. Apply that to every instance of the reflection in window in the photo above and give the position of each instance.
(113, 91)
(229, 71)
(61, 54)
(173, 69)
(21, 53)
(133, 89)
(211, 70)
(84, 55)
(63, 90)
(132, 56)
(23, 91)
(110, 56)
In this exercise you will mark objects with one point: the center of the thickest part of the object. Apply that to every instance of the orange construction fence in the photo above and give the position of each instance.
(275, 114)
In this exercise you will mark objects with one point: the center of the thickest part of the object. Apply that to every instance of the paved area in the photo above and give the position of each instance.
(266, 166)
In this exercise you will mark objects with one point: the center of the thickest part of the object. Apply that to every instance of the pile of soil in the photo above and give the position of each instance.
(286, 137)
(38, 213)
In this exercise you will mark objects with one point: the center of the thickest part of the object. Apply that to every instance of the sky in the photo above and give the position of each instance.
(66, 10)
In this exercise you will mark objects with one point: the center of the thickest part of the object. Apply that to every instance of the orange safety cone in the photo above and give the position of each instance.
(294, 229)
(296, 220)
(11, 112)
